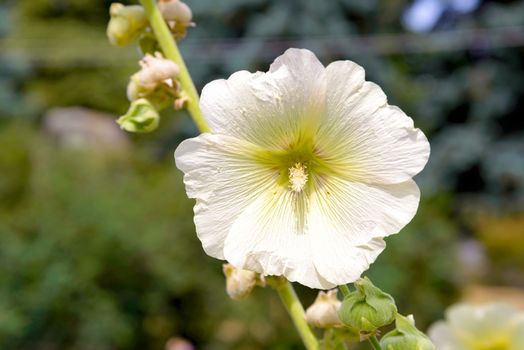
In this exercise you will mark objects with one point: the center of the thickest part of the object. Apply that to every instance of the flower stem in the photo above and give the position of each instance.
(170, 49)
(296, 311)
(374, 342)
(328, 334)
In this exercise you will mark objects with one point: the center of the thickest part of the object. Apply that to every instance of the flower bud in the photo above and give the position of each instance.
(323, 313)
(155, 70)
(406, 336)
(175, 10)
(126, 23)
(155, 81)
(178, 16)
(368, 308)
(239, 283)
(141, 117)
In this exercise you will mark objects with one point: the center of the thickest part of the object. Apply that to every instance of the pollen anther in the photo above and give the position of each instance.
(297, 177)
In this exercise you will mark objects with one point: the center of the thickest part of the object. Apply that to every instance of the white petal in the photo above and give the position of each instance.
(443, 337)
(481, 324)
(270, 238)
(347, 221)
(223, 177)
(268, 109)
(375, 142)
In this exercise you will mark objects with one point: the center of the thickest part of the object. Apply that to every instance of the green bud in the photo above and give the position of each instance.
(367, 308)
(141, 117)
(126, 23)
(406, 337)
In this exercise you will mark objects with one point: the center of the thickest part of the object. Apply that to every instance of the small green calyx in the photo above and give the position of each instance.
(367, 308)
(406, 337)
(126, 24)
(141, 117)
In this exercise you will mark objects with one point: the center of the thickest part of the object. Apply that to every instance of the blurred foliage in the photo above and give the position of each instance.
(98, 250)
(503, 237)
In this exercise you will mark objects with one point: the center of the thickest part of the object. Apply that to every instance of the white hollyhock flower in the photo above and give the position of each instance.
(485, 327)
(305, 171)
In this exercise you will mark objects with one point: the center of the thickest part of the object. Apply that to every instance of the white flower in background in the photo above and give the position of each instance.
(487, 327)
(305, 171)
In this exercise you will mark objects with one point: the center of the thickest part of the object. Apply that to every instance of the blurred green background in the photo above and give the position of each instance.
(97, 245)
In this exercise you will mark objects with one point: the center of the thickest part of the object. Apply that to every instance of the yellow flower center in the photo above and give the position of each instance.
(497, 343)
(298, 177)
(503, 346)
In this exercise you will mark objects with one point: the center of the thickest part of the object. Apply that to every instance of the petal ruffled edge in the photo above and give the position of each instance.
(221, 174)
(268, 109)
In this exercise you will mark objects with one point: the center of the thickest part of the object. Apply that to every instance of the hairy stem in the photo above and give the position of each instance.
(374, 342)
(296, 311)
(170, 49)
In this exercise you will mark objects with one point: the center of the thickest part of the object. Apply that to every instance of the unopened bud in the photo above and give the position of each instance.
(367, 308)
(155, 70)
(323, 313)
(406, 336)
(175, 10)
(126, 23)
(141, 117)
(161, 97)
(239, 283)
(178, 16)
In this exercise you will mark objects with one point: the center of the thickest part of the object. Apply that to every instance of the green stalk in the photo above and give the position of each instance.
(296, 311)
(170, 49)
(344, 289)
(374, 342)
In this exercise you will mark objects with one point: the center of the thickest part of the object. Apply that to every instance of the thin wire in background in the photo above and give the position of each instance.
(98, 53)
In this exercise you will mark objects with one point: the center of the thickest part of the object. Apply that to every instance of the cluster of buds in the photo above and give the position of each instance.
(362, 313)
(240, 283)
(155, 85)
(151, 89)
(359, 316)
(156, 80)
(129, 23)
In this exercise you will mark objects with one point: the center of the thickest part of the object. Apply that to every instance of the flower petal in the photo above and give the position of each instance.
(363, 135)
(347, 221)
(268, 109)
(270, 238)
(442, 336)
(481, 324)
(223, 177)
